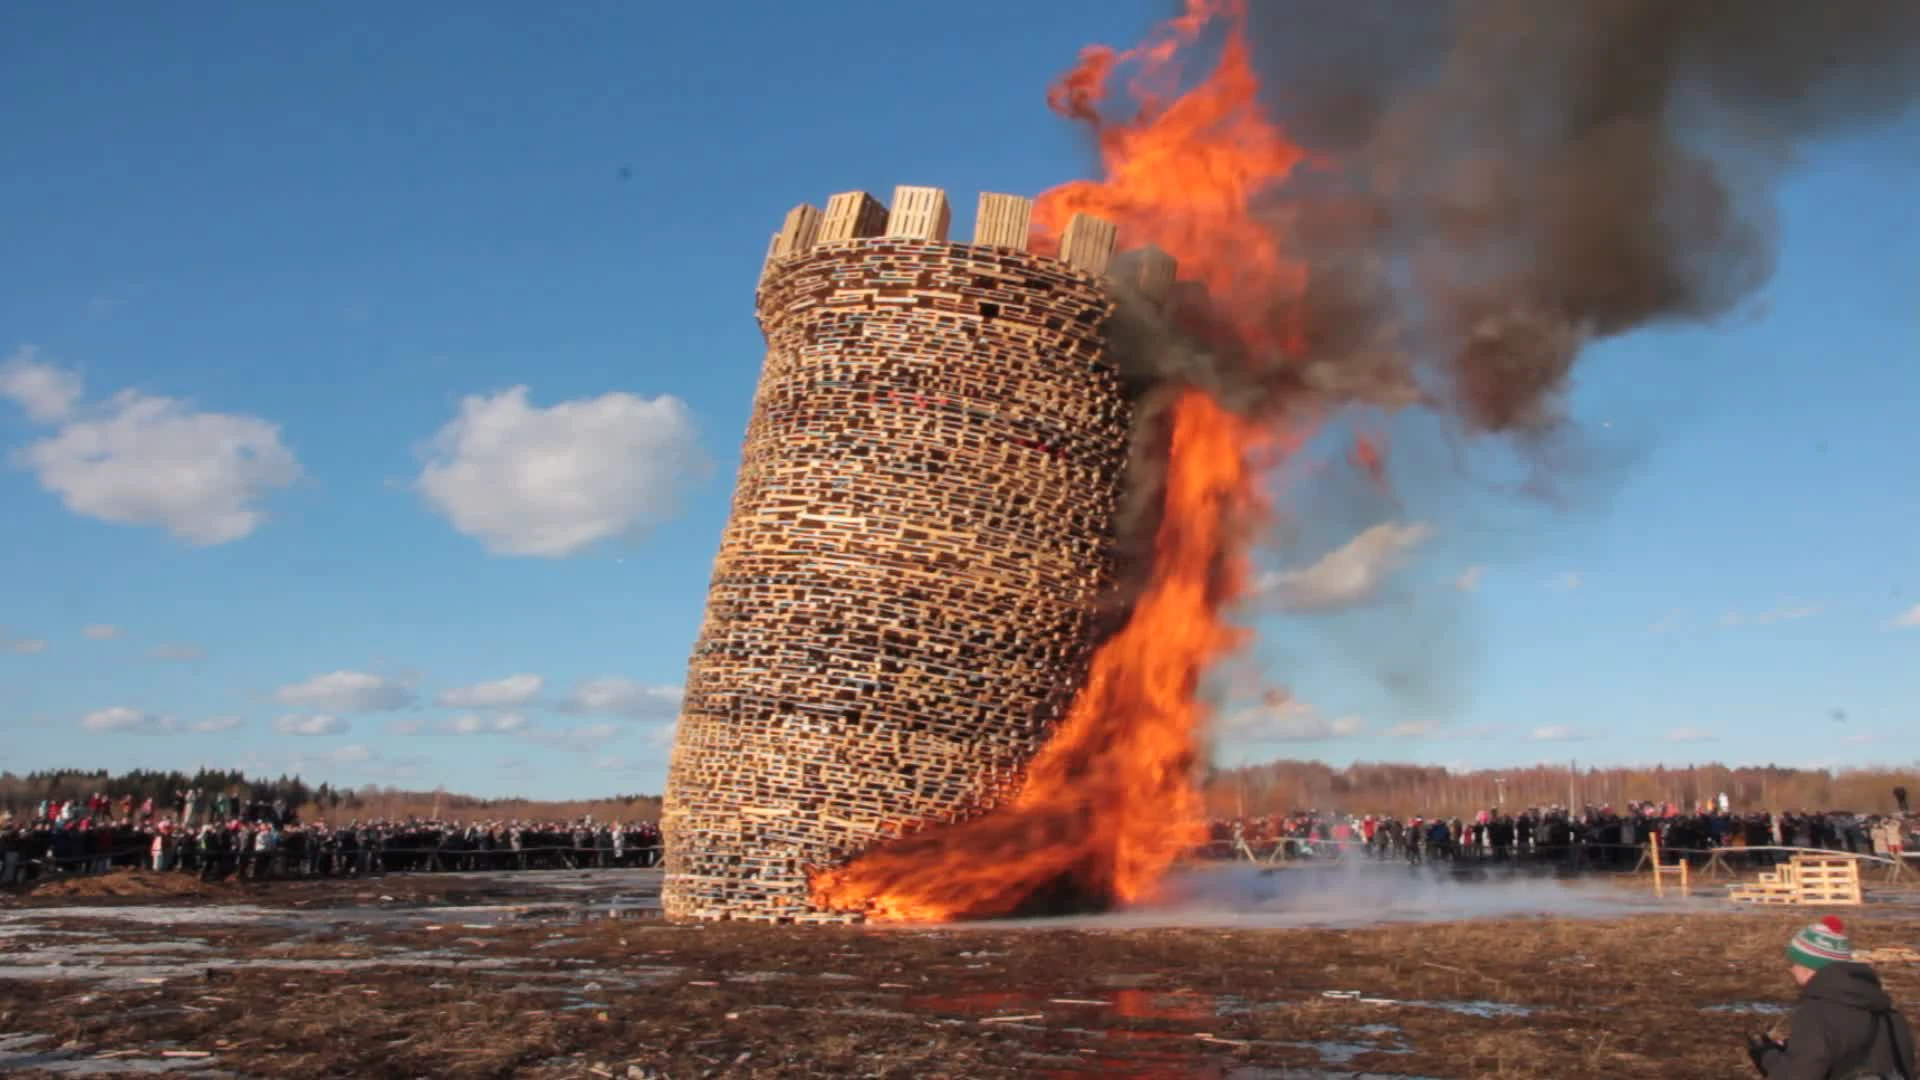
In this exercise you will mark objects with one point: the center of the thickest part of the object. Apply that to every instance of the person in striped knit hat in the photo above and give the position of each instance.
(1844, 1027)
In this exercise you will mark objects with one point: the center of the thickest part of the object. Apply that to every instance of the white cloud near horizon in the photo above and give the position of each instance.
(514, 690)
(1771, 616)
(214, 724)
(24, 646)
(122, 719)
(499, 723)
(1555, 733)
(553, 482)
(178, 652)
(612, 695)
(1907, 620)
(349, 691)
(1283, 718)
(100, 631)
(309, 724)
(1690, 735)
(1348, 576)
(45, 391)
(140, 459)
(576, 740)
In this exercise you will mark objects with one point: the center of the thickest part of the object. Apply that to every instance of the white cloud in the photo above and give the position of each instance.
(1908, 619)
(504, 723)
(214, 724)
(1555, 733)
(1427, 730)
(22, 645)
(101, 632)
(1350, 575)
(1567, 581)
(615, 696)
(46, 392)
(554, 482)
(500, 693)
(1668, 623)
(178, 652)
(1281, 718)
(1690, 735)
(1469, 578)
(1412, 729)
(120, 718)
(309, 724)
(349, 691)
(137, 459)
(1769, 617)
(579, 739)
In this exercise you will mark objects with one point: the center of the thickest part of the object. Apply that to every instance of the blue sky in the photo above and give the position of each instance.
(272, 498)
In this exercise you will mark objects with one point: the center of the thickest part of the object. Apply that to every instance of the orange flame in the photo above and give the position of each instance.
(1109, 802)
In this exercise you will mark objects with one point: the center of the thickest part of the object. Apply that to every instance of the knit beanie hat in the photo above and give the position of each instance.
(1819, 944)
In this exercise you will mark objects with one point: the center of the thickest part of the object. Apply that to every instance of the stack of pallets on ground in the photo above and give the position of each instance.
(1806, 879)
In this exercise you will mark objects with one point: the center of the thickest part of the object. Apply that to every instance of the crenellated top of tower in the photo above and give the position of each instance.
(1006, 221)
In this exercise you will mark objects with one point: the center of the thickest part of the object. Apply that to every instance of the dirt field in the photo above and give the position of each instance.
(447, 977)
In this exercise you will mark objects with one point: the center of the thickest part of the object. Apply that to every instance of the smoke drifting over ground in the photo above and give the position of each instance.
(1354, 894)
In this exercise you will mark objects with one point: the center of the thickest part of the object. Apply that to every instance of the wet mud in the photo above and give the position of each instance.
(576, 976)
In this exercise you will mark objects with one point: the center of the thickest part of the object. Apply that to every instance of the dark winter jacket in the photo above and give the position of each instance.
(1844, 1025)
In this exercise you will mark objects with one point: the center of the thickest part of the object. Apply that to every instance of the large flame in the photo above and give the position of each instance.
(1109, 802)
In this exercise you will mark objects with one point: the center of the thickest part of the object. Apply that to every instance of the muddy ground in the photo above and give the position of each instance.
(575, 976)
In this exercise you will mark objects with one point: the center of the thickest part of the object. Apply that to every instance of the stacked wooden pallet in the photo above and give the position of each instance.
(1807, 879)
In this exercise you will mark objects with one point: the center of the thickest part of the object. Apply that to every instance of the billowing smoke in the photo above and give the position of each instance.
(1509, 180)
(1499, 183)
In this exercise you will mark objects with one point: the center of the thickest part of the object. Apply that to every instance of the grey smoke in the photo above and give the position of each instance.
(1507, 182)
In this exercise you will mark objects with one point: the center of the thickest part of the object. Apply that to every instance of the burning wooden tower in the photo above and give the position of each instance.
(902, 604)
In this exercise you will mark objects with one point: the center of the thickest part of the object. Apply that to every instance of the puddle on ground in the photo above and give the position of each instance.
(27, 1051)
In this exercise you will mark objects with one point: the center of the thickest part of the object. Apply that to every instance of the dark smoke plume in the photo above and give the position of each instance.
(1511, 180)
(1507, 181)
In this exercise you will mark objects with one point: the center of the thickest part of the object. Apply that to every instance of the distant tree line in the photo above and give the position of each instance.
(20, 793)
(1276, 787)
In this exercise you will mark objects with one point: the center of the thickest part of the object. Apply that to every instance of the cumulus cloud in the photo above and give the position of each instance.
(1350, 575)
(1689, 735)
(177, 652)
(101, 632)
(1555, 733)
(1282, 718)
(498, 694)
(579, 739)
(44, 391)
(124, 720)
(139, 459)
(22, 645)
(556, 481)
(612, 695)
(1771, 616)
(309, 724)
(349, 691)
(504, 723)
(1469, 578)
(214, 724)
(1908, 619)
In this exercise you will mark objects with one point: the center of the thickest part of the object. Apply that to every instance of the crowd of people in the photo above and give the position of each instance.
(1600, 837)
(222, 836)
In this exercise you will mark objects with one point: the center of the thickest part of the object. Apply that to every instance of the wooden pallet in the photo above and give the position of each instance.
(1806, 880)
